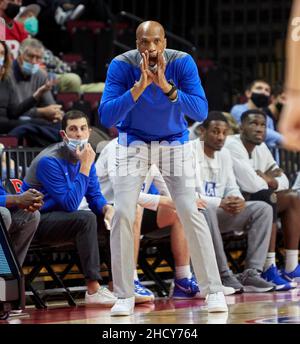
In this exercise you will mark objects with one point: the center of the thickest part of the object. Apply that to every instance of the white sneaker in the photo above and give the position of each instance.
(102, 297)
(123, 307)
(228, 290)
(216, 302)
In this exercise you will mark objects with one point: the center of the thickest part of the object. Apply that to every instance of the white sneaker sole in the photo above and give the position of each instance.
(105, 305)
(120, 313)
(251, 289)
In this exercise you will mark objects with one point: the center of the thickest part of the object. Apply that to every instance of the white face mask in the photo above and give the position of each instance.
(72, 144)
(1, 61)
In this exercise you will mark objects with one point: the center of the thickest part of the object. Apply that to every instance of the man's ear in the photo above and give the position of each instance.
(241, 128)
(201, 132)
(165, 45)
(63, 135)
(248, 94)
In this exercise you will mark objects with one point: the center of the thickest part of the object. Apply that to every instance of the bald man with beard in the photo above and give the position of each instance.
(148, 91)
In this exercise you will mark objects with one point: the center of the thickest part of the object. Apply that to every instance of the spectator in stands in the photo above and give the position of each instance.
(159, 212)
(21, 218)
(260, 178)
(26, 79)
(57, 69)
(258, 94)
(65, 173)
(10, 108)
(227, 210)
(141, 116)
(15, 32)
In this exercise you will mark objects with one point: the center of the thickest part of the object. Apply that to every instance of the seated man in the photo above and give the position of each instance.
(227, 210)
(26, 78)
(260, 178)
(65, 173)
(21, 218)
(159, 212)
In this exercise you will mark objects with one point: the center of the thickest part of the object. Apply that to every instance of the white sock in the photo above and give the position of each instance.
(291, 260)
(135, 275)
(270, 260)
(183, 271)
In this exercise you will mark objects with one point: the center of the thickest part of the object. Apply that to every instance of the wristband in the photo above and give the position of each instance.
(172, 90)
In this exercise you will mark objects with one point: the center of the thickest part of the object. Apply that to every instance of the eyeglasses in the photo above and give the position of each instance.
(32, 56)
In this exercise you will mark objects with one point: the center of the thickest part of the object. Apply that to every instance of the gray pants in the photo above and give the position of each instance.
(21, 226)
(80, 226)
(126, 191)
(256, 219)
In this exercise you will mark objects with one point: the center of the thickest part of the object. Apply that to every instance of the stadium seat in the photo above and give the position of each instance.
(67, 99)
(93, 98)
(9, 141)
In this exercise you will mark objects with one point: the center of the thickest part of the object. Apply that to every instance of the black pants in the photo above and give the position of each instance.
(79, 227)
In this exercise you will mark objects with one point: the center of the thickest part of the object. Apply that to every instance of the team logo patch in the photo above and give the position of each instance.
(210, 189)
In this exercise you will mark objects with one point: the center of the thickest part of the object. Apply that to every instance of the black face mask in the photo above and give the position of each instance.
(12, 10)
(260, 100)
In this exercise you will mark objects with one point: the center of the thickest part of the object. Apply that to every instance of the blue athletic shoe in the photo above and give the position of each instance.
(185, 288)
(293, 276)
(272, 275)
(141, 293)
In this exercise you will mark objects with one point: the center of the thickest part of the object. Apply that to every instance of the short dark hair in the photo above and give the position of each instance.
(73, 114)
(247, 113)
(214, 116)
(253, 82)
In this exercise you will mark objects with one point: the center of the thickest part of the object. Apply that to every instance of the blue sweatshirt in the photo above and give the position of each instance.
(2, 196)
(57, 176)
(154, 117)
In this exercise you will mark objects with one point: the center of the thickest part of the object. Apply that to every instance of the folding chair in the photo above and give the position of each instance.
(43, 259)
(154, 250)
(235, 247)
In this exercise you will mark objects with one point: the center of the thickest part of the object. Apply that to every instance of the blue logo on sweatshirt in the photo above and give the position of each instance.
(210, 189)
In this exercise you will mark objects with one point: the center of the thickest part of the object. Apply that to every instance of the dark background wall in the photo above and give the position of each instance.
(234, 41)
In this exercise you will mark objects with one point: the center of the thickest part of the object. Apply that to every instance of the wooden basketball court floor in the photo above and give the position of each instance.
(264, 308)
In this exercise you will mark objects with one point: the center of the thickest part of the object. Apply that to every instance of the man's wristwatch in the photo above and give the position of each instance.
(172, 90)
